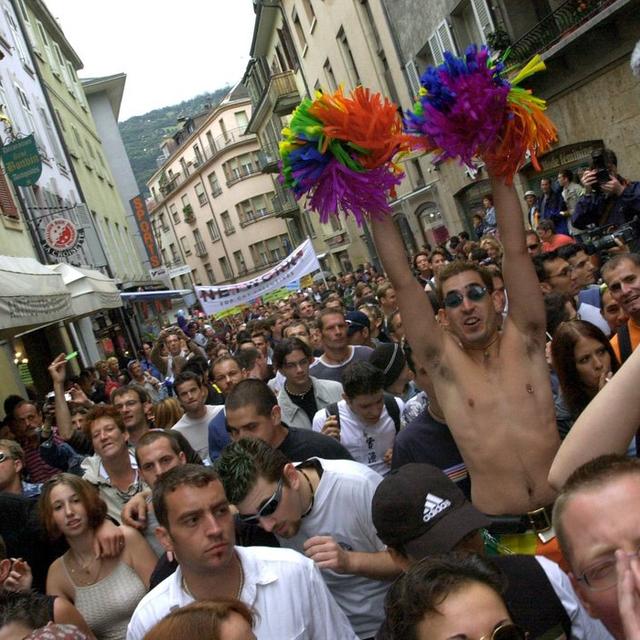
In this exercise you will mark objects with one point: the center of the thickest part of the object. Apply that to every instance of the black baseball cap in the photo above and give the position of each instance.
(356, 321)
(419, 508)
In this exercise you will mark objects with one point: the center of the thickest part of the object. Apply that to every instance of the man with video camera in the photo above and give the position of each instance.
(608, 199)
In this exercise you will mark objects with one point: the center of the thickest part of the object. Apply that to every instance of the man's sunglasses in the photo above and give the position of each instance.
(506, 631)
(4, 456)
(267, 509)
(473, 292)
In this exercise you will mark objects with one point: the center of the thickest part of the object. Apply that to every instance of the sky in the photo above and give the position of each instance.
(171, 50)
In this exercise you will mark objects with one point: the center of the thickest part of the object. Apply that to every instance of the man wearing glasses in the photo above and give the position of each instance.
(321, 508)
(534, 244)
(197, 526)
(492, 380)
(597, 520)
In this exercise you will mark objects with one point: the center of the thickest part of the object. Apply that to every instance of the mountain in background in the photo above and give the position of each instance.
(142, 135)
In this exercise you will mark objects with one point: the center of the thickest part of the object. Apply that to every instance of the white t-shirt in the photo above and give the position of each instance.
(197, 431)
(592, 314)
(366, 443)
(342, 510)
(284, 588)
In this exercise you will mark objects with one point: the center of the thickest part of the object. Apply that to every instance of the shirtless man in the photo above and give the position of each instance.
(492, 385)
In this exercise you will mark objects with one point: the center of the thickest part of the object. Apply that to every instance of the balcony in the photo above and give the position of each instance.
(285, 205)
(242, 173)
(228, 230)
(201, 249)
(251, 217)
(578, 41)
(233, 136)
(280, 97)
(189, 216)
(269, 157)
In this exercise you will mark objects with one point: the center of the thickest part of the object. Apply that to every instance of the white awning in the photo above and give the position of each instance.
(90, 290)
(30, 295)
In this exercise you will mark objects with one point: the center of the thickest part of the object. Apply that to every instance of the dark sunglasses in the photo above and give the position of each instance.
(267, 509)
(506, 631)
(473, 292)
(4, 456)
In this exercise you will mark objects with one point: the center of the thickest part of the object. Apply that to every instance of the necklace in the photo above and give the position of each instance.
(313, 494)
(299, 395)
(185, 586)
(83, 570)
(486, 348)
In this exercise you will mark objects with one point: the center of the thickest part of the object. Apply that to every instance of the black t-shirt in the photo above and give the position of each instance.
(302, 444)
(427, 440)
(307, 402)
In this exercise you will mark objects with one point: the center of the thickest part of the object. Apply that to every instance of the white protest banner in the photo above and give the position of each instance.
(301, 261)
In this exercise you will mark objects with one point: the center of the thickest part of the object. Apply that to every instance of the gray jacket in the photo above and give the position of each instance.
(325, 391)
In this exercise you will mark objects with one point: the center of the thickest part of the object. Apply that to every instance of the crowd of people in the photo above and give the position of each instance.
(445, 447)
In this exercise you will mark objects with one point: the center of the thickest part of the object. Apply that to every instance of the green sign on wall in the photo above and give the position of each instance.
(22, 161)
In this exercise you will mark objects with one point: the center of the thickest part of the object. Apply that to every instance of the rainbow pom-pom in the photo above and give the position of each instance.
(338, 151)
(473, 107)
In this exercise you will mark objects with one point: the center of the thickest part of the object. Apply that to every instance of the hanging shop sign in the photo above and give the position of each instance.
(62, 238)
(22, 161)
(146, 231)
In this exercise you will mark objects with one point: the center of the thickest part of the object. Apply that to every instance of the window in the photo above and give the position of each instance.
(51, 136)
(30, 123)
(185, 245)
(211, 143)
(212, 228)
(299, 32)
(185, 281)
(183, 165)
(62, 64)
(17, 38)
(226, 268)
(226, 222)
(336, 224)
(60, 120)
(210, 275)
(194, 276)
(163, 253)
(214, 184)
(311, 15)
(330, 77)
(175, 216)
(201, 249)
(471, 22)
(174, 252)
(202, 196)
(441, 40)
(198, 155)
(347, 57)
(241, 119)
(163, 222)
(47, 47)
(185, 201)
(239, 259)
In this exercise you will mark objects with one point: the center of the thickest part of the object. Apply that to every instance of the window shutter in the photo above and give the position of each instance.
(413, 76)
(446, 37)
(483, 17)
(436, 49)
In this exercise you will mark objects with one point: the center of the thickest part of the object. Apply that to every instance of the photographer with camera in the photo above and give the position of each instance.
(609, 199)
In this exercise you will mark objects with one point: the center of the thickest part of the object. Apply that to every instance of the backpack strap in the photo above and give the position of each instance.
(624, 342)
(546, 616)
(392, 409)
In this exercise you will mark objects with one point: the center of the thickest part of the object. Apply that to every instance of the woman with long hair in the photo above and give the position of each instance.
(584, 361)
(105, 591)
(210, 619)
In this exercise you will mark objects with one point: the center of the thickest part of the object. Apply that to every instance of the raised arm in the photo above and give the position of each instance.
(423, 332)
(63, 415)
(526, 306)
(607, 425)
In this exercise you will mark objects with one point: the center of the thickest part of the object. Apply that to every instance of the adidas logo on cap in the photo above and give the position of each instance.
(433, 506)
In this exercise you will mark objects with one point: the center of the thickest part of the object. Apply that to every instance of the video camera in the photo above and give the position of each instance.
(599, 164)
(601, 239)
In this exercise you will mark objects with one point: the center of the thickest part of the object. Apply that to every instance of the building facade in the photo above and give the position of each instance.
(593, 98)
(211, 206)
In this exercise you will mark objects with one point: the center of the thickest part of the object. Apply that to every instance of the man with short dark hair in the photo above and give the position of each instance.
(194, 424)
(551, 240)
(622, 276)
(338, 353)
(197, 526)
(320, 508)
(361, 421)
(253, 412)
(534, 244)
(11, 466)
(597, 521)
(552, 207)
(301, 395)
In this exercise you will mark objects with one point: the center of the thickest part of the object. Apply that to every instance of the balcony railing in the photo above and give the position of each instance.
(242, 174)
(254, 216)
(284, 204)
(564, 20)
(283, 92)
(269, 157)
(201, 249)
